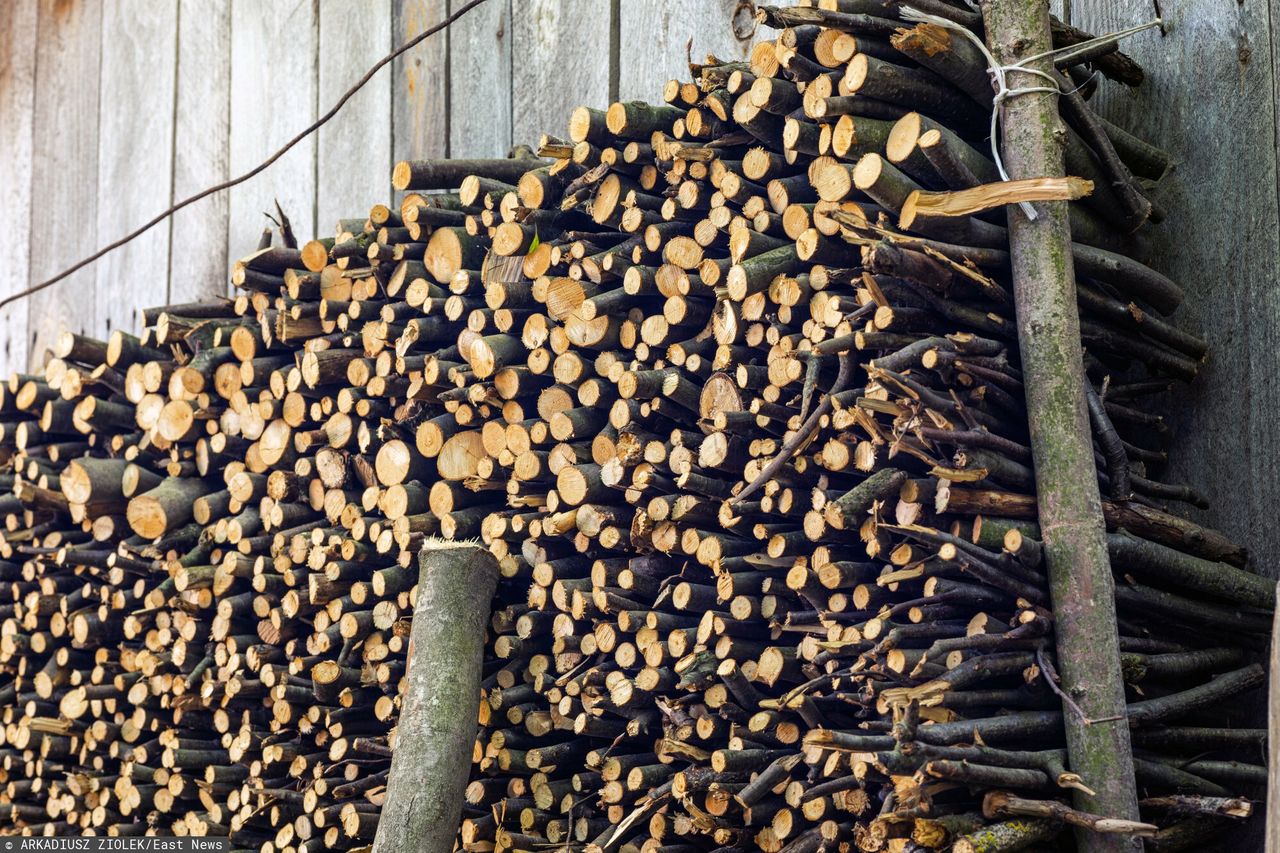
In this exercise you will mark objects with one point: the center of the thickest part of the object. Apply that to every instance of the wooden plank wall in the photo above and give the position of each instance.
(354, 158)
(563, 48)
(17, 98)
(64, 170)
(659, 36)
(201, 150)
(419, 100)
(1209, 99)
(135, 156)
(480, 80)
(274, 60)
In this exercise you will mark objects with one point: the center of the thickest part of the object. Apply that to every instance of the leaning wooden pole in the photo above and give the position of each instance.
(1070, 507)
(1273, 742)
(437, 728)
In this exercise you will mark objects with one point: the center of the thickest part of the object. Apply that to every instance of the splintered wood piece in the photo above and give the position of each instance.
(988, 196)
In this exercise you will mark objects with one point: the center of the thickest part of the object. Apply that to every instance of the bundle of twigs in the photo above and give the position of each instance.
(730, 386)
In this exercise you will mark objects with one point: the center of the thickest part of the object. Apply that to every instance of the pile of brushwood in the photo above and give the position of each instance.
(730, 385)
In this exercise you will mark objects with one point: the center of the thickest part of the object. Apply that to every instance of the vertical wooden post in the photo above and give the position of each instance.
(1273, 741)
(1070, 508)
(437, 727)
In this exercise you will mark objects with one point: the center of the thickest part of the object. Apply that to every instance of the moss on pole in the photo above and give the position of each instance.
(1070, 507)
(437, 727)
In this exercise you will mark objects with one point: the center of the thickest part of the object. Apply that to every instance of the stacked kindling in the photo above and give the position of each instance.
(734, 399)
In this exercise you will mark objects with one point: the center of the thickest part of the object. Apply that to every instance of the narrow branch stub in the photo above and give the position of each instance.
(1080, 580)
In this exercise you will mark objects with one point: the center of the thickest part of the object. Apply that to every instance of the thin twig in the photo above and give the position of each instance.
(802, 434)
(1113, 452)
(286, 228)
(1051, 678)
(810, 385)
(228, 184)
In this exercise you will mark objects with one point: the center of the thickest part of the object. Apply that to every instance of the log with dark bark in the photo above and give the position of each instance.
(435, 731)
(1077, 562)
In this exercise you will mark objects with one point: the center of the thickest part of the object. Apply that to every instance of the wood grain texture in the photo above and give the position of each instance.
(1273, 745)
(201, 144)
(353, 169)
(64, 170)
(273, 97)
(1209, 99)
(419, 96)
(480, 81)
(17, 96)
(135, 158)
(654, 38)
(562, 48)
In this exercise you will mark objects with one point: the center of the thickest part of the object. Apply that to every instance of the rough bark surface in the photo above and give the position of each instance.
(1070, 507)
(1273, 745)
(432, 758)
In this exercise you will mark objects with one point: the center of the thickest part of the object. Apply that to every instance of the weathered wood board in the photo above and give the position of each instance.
(562, 47)
(353, 169)
(64, 176)
(273, 97)
(135, 158)
(17, 97)
(201, 150)
(480, 81)
(655, 41)
(1209, 100)
(419, 92)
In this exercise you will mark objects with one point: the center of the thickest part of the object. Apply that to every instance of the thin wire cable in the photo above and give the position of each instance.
(228, 184)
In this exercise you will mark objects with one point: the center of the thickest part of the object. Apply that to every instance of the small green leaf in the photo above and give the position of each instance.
(533, 247)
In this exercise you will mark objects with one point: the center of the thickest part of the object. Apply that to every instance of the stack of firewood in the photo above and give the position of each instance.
(734, 397)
